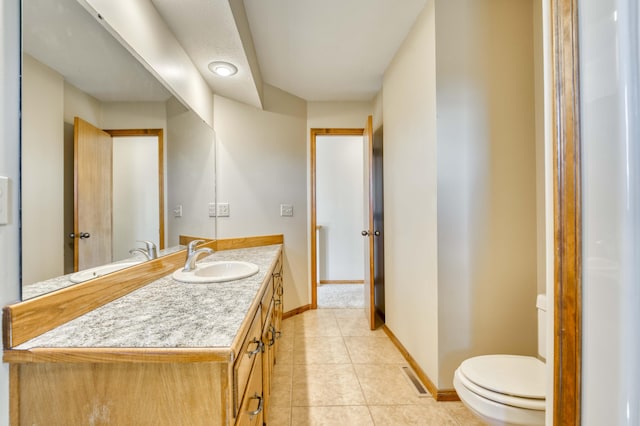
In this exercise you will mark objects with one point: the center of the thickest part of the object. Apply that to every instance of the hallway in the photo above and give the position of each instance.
(332, 370)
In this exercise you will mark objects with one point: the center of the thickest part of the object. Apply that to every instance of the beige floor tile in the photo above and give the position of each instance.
(281, 385)
(317, 326)
(320, 350)
(387, 385)
(422, 415)
(357, 326)
(284, 357)
(279, 416)
(462, 415)
(373, 350)
(322, 384)
(331, 416)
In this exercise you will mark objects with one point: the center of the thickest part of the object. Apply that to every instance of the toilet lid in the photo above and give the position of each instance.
(518, 376)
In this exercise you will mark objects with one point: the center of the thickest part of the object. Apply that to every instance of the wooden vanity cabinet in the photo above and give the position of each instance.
(159, 386)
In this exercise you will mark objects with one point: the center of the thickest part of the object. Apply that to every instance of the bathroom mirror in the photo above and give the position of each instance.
(72, 67)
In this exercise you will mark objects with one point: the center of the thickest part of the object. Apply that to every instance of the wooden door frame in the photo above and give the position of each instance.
(315, 132)
(159, 133)
(567, 213)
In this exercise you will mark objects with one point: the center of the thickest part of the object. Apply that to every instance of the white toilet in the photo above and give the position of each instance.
(506, 389)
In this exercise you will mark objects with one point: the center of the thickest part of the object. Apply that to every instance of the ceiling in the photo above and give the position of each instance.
(329, 50)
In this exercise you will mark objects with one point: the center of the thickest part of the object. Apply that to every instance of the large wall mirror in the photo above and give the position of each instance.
(81, 88)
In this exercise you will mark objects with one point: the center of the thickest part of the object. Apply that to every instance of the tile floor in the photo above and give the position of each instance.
(332, 370)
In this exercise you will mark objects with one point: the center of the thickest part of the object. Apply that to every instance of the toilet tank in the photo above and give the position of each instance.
(541, 305)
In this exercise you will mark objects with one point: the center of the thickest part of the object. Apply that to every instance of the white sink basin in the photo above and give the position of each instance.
(98, 271)
(215, 272)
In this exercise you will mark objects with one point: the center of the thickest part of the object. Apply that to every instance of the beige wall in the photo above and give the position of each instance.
(411, 267)
(42, 161)
(261, 163)
(486, 180)
(337, 114)
(191, 160)
(460, 191)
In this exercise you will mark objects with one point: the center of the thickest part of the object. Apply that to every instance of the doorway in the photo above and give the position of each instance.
(337, 211)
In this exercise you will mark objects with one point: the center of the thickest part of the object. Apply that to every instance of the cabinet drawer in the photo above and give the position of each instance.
(252, 408)
(250, 350)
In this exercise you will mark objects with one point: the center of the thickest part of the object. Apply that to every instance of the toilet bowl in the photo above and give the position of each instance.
(506, 389)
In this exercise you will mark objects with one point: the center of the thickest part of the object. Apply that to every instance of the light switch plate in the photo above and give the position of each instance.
(177, 212)
(223, 210)
(4, 200)
(212, 209)
(286, 209)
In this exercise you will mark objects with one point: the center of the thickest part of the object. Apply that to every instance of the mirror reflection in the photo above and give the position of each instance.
(113, 167)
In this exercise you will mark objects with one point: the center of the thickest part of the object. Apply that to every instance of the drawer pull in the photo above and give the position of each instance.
(258, 348)
(280, 291)
(273, 332)
(277, 301)
(260, 405)
(277, 275)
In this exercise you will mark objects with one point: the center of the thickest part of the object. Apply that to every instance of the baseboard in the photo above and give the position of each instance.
(341, 282)
(437, 394)
(296, 311)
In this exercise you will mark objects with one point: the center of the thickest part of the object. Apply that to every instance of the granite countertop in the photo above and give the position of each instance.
(39, 288)
(167, 313)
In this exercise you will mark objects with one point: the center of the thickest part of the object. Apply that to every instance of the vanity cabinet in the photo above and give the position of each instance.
(155, 385)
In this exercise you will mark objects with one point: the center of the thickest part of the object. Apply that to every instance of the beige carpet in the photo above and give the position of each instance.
(341, 296)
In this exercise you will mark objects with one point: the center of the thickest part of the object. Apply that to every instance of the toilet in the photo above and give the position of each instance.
(506, 389)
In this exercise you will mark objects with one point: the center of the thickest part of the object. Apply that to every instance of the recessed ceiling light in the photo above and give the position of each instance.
(222, 68)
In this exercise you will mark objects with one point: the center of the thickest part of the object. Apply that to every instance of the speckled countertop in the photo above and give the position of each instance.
(167, 313)
(30, 291)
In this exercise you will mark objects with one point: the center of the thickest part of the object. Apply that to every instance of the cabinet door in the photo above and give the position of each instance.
(278, 301)
(247, 357)
(268, 340)
(252, 409)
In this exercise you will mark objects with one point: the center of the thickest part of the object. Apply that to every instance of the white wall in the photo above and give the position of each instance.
(261, 163)
(610, 107)
(411, 258)
(487, 241)
(135, 193)
(339, 208)
(9, 166)
(42, 161)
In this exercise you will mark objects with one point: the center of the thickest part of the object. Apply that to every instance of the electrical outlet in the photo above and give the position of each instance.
(177, 211)
(286, 210)
(223, 210)
(212, 209)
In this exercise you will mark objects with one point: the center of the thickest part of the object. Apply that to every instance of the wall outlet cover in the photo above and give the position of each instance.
(223, 210)
(286, 210)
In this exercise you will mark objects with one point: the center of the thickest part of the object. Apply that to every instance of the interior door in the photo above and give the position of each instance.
(93, 170)
(371, 233)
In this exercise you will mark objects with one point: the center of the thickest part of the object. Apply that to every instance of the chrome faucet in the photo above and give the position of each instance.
(193, 254)
(151, 252)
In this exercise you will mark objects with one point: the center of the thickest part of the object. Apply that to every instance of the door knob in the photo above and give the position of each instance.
(376, 233)
(81, 235)
(365, 233)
